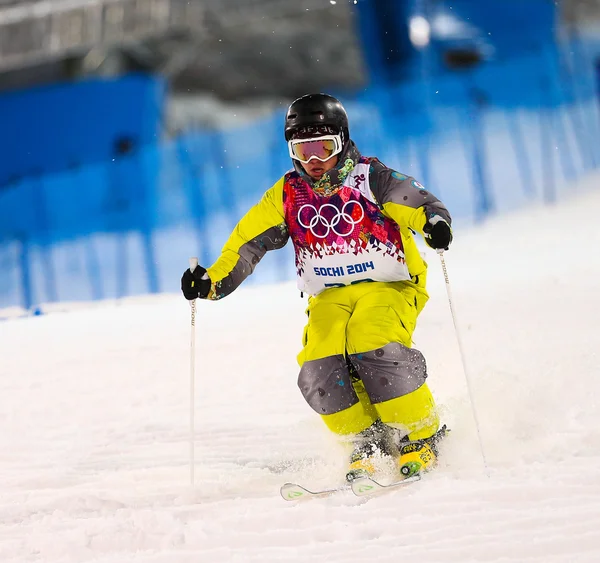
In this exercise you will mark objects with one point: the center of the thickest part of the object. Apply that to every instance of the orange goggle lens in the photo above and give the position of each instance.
(322, 148)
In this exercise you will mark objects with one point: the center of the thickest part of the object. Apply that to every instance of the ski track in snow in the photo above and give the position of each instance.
(94, 421)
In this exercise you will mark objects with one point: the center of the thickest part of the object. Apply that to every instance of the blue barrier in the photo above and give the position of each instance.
(47, 128)
(126, 226)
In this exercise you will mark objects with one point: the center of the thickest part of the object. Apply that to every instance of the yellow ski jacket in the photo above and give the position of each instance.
(362, 232)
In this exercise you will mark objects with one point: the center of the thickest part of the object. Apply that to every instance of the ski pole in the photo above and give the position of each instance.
(193, 265)
(463, 360)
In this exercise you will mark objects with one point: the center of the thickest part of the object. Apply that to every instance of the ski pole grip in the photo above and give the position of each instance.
(193, 264)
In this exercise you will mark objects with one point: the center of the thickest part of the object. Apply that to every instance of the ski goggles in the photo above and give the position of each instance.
(320, 148)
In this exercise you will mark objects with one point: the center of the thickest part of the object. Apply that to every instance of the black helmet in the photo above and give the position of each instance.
(316, 109)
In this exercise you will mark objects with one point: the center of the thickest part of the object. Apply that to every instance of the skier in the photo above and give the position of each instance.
(351, 220)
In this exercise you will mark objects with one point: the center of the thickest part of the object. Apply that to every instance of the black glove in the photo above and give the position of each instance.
(195, 284)
(438, 234)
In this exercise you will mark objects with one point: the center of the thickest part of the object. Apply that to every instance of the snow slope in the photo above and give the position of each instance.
(94, 421)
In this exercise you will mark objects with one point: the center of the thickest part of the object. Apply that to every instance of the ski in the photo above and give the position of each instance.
(366, 486)
(362, 486)
(293, 491)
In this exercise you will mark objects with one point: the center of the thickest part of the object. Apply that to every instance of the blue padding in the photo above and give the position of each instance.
(50, 128)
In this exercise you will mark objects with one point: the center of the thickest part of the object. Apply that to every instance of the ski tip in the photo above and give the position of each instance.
(291, 491)
(366, 485)
(362, 486)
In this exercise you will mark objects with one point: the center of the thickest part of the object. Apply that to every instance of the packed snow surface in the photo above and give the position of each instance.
(94, 421)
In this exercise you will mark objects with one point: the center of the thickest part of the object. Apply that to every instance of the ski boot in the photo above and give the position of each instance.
(420, 456)
(374, 447)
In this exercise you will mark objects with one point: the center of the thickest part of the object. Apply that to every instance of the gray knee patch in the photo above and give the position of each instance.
(390, 372)
(326, 385)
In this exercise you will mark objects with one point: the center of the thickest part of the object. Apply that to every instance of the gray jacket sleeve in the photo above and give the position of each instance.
(389, 186)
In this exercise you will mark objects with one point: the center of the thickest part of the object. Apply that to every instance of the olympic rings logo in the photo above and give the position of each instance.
(328, 217)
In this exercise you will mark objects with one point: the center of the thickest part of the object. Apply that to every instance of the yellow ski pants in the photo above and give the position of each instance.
(357, 364)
